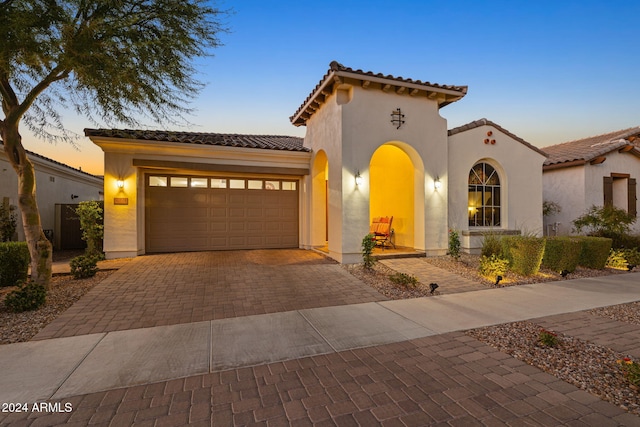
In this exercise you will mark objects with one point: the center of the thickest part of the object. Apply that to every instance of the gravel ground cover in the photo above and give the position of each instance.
(378, 278)
(629, 313)
(65, 290)
(590, 367)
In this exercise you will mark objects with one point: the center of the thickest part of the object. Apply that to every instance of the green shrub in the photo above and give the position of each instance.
(632, 256)
(595, 251)
(454, 244)
(622, 241)
(491, 245)
(27, 297)
(84, 266)
(493, 266)
(524, 253)
(547, 338)
(14, 263)
(602, 220)
(562, 253)
(8, 222)
(617, 259)
(623, 258)
(91, 224)
(368, 243)
(404, 279)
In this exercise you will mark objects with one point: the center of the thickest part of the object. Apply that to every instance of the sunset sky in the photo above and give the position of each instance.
(548, 71)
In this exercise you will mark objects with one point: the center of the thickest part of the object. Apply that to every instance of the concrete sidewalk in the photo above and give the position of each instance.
(63, 367)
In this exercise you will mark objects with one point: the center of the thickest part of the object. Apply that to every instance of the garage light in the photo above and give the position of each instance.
(359, 179)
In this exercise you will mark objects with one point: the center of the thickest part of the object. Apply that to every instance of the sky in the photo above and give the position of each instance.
(547, 71)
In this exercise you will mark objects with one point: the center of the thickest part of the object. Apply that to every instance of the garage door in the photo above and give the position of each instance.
(198, 213)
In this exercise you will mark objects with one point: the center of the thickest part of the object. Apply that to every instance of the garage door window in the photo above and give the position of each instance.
(255, 184)
(199, 182)
(218, 183)
(157, 181)
(289, 186)
(179, 181)
(272, 185)
(236, 183)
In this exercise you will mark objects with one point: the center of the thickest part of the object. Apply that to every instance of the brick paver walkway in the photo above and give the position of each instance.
(449, 283)
(450, 380)
(177, 288)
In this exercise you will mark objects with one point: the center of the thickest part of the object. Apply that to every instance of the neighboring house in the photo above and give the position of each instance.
(375, 146)
(600, 170)
(56, 185)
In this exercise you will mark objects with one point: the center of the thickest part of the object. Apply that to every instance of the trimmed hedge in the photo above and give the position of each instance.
(595, 251)
(524, 253)
(562, 253)
(14, 263)
(623, 241)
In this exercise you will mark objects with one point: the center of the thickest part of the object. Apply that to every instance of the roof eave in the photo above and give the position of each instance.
(338, 76)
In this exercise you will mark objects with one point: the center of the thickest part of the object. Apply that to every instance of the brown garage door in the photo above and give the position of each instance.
(196, 213)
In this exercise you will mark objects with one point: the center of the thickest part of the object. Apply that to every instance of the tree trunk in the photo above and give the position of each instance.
(40, 248)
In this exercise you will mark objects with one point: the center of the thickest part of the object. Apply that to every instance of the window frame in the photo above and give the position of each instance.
(487, 196)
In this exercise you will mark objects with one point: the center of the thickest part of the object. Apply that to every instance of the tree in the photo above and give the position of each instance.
(604, 221)
(111, 60)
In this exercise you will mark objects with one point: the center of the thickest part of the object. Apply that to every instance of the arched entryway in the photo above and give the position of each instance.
(320, 201)
(397, 189)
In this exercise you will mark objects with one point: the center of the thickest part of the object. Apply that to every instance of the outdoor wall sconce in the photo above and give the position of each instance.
(437, 184)
(74, 196)
(359, 179)
(120, 183)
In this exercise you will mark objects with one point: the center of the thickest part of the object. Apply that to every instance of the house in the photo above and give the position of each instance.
(57, 185)
(375, 146)
(497, 176)
(599, 170)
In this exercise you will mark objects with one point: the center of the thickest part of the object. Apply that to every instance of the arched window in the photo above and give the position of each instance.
(484, 196)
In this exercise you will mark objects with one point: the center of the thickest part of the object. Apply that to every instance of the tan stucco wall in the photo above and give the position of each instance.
(520, 171)
(49, 193)
(350, 126)
(578, 188)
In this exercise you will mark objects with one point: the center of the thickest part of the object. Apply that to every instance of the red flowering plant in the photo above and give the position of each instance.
(631, 370)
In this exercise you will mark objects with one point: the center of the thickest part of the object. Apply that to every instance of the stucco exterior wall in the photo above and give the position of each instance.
(520, 170)
(324, 134)
(578, 188)
(55, 183)
(566, 187)
(350, 126)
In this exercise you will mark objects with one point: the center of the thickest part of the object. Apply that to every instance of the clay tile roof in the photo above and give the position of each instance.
(588, 149)
(337, 70)
(485, 122)
(71, 168)
(268, 142)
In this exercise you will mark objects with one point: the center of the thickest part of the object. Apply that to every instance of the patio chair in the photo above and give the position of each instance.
(383, 232)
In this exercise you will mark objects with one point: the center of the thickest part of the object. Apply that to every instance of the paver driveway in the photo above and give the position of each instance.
(176, 288)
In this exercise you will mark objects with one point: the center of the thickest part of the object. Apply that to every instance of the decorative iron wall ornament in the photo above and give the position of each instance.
(397, 118)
